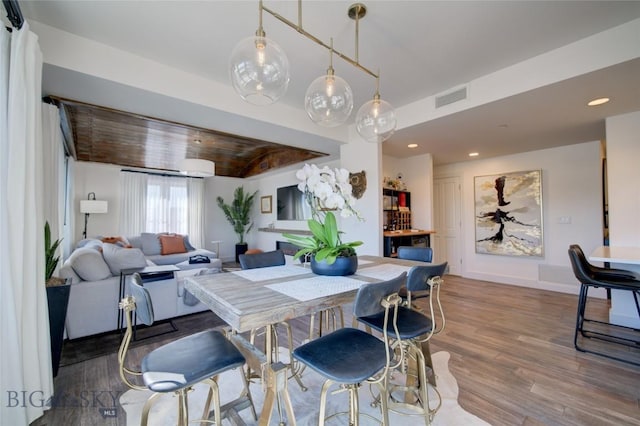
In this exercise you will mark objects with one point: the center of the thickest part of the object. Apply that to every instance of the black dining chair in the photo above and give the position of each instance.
(591, 276)
(415, 328)
(351, 357)
(177, 366)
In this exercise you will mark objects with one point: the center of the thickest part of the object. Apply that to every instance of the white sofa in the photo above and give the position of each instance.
(94, 270)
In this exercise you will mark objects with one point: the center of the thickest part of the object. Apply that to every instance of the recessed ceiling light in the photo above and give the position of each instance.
(598, 101)
(197, 141)
(473, 154)
(412, 145)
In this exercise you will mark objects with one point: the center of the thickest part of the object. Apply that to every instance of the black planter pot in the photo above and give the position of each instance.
(57, 300)
(241, 249)
(341, 267)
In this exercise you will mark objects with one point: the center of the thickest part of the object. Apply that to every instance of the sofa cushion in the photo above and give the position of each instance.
(119, 241)
(66, 271)
(89, 264)
(135, 241)
(187, 244)
(90, 243)
(171, 244)
(119, 258)
(150, 244)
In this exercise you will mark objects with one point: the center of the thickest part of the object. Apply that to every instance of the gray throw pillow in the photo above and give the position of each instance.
(119, 258)
(187, 244)
(135, 241)
(150, 244)
(89, 264)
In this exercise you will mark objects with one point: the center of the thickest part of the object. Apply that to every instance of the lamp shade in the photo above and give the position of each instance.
(197, 167)
(93, 206)
(259, 70)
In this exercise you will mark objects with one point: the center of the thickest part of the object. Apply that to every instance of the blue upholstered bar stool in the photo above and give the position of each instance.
(415, 329)
(349, 357)
(177, 366)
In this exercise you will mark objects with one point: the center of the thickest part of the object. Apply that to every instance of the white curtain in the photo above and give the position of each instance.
(25, 368)
(133, 203)
(69, 230)
(53, 170)
(195, 191)
(157, 203)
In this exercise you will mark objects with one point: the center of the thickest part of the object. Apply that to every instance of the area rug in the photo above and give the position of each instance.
(305, 404)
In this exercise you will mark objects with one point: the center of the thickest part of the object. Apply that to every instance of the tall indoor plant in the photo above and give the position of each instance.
(327, 190)
(58, 291)
(238, 213)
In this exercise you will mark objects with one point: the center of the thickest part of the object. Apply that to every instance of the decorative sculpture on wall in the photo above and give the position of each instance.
(508, 210)
(358, 183)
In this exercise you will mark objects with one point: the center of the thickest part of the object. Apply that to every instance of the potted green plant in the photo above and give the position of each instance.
(238, 213)
(58, 290)
(327, 190)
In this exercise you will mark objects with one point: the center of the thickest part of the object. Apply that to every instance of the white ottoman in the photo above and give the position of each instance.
(214, 264)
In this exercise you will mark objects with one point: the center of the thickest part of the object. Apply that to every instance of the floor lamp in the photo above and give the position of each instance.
(91, 205)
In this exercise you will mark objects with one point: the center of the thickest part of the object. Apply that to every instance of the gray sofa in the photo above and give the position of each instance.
(94, 268)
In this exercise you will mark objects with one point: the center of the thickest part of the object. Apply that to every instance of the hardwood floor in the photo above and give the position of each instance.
(511, 353)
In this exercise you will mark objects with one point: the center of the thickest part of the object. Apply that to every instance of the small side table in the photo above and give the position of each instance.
(217, 243)
(148, 273)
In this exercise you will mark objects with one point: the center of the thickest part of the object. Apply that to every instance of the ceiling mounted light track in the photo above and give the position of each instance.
(260, 74)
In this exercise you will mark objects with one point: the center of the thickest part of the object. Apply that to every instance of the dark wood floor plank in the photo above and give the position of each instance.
(511, 352)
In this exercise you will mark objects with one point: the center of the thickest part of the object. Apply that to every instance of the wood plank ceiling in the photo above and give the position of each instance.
(104, 135)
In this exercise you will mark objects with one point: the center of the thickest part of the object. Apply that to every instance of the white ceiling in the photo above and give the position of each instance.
(422, 48)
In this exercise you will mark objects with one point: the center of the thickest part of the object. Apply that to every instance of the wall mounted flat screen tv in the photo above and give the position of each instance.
(291, 205)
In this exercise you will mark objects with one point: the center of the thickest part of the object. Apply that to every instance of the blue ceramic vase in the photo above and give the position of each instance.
(342, 266)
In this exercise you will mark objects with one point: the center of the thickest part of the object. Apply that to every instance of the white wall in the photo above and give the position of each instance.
(571, 187)
(104, 180)
(623, 174)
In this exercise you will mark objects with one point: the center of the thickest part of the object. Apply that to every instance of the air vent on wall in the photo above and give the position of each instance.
(451, 97)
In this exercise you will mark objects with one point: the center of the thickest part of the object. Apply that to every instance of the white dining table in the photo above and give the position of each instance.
(249, 299)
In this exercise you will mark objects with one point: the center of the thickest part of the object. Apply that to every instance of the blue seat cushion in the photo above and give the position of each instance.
(411, 323)
(347, 355)
(189, 360)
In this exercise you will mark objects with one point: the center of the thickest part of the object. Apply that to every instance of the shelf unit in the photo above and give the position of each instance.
(397, 209)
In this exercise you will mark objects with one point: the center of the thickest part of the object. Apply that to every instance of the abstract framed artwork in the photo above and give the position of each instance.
(508, 213)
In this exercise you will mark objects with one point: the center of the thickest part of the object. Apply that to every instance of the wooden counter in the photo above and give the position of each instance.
(407, 233)
(394, 239)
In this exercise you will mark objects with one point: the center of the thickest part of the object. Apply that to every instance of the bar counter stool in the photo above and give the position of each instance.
(177, 366)
(415, 329)
(349, 357)
(610, 279)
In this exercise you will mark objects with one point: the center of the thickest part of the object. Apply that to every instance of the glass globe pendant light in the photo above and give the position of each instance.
(376, 119)
(329, 99)
(259, 69)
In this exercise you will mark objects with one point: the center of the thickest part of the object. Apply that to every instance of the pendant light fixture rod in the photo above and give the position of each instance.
(260, 30)
(311, 37)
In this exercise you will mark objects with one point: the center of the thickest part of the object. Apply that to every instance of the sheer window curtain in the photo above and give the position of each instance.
(195, 190)
(24, 325)
(133, 203)
(155, 203)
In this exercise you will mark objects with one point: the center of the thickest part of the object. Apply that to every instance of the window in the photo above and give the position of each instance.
(156, 203)
(167, 205)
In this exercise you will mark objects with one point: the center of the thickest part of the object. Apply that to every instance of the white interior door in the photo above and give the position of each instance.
(446, 240)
